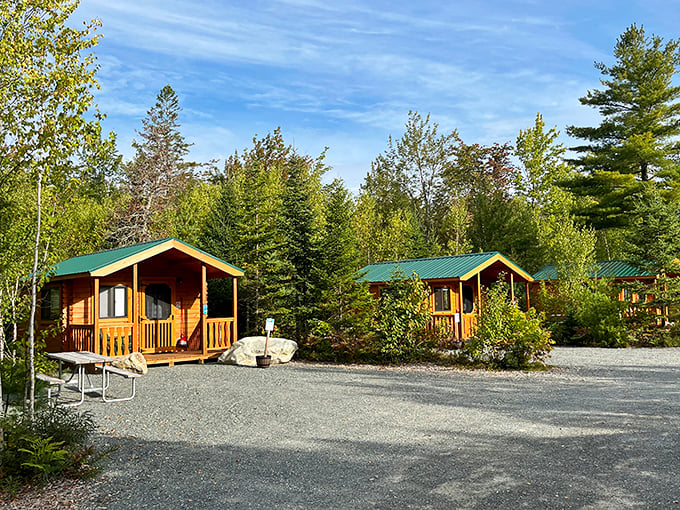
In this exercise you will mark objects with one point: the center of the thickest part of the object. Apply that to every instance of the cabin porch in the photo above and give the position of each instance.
(118, 341)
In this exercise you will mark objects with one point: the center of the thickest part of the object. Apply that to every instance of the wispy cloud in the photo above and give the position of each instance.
(345, 74)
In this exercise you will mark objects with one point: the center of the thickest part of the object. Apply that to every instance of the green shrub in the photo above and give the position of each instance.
(586, 312)
(50, 444)
(326, 343)
(600, 314)
(506, 337)
(43, 455)
(402, 320)
(13, 370)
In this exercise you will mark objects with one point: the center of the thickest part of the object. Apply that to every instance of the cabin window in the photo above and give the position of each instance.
(442, 299)
(468, 299)
(113, 302)
(49, 304)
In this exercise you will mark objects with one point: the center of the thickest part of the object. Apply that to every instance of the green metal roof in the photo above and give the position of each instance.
(453, 266)
(603, 269)
(94, 261)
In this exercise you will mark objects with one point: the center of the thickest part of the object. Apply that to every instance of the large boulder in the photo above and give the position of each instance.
(133, 362)
(244, 351)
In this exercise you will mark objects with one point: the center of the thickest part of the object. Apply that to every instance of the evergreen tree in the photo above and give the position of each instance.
(653, 239)
(300, 231)
(158, 173)
(637, 138)
(346, 304)
(245, 227)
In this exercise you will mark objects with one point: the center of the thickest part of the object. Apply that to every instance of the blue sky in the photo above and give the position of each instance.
(344, 74)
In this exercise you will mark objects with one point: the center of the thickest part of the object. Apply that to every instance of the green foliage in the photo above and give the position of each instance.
(389, 235)
(409, 174)
(402, 319)
(51, 443)
(13, 370)
(567, 245)
(639, 106)
(636, 140)
(600, 313)
(193, 206)
(301, 234)
(653, 240)
(245, 227)
(505, 336)
(44, 455)
(346, 304)
(585, 312)
(542, 169)
(156, 178)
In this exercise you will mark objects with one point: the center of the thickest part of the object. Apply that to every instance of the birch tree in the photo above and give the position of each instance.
(45, 94)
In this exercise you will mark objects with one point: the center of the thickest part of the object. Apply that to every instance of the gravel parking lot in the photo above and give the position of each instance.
(601, 430)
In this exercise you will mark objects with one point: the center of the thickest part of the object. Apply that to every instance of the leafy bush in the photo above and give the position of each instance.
(54, 442)
(327, 343)
(13, 370)
(402, 319)
(600, 314)
(44, 455)
(586, 312)
(506, 337)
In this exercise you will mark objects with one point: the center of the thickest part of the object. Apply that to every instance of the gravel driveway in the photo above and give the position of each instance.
(600, 431)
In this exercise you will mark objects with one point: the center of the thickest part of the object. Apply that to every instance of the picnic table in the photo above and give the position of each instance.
(81, 360)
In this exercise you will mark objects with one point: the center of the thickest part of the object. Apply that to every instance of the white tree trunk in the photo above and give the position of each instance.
(30, 358)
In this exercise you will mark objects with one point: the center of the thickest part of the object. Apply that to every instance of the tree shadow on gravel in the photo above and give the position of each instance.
(325, 437)
(471, 471)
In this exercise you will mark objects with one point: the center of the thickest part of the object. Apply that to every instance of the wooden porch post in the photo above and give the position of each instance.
(204, 310)
(526, 286)
(479, 294)
(234, 332)
(460, 310)
(512, 287)
(135, 309)
(95, 318)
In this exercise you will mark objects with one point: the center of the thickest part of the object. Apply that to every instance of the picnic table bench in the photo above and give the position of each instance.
(51, 382)
(107, 370)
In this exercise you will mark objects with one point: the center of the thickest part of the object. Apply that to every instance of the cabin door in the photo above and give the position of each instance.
(158, 318)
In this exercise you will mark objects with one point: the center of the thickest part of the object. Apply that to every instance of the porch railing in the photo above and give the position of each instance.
(115, 340)
(79, 337)
(448, 322)
(220, 333)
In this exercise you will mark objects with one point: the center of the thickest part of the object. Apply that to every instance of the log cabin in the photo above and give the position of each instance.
(151, 298)
(618, 271)
(455, 284)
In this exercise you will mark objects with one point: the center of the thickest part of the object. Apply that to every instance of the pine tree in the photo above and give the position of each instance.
(346, 305)
(637, 138)
(244, 227)
(653, 239)
(301, 232)
(157, 174)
